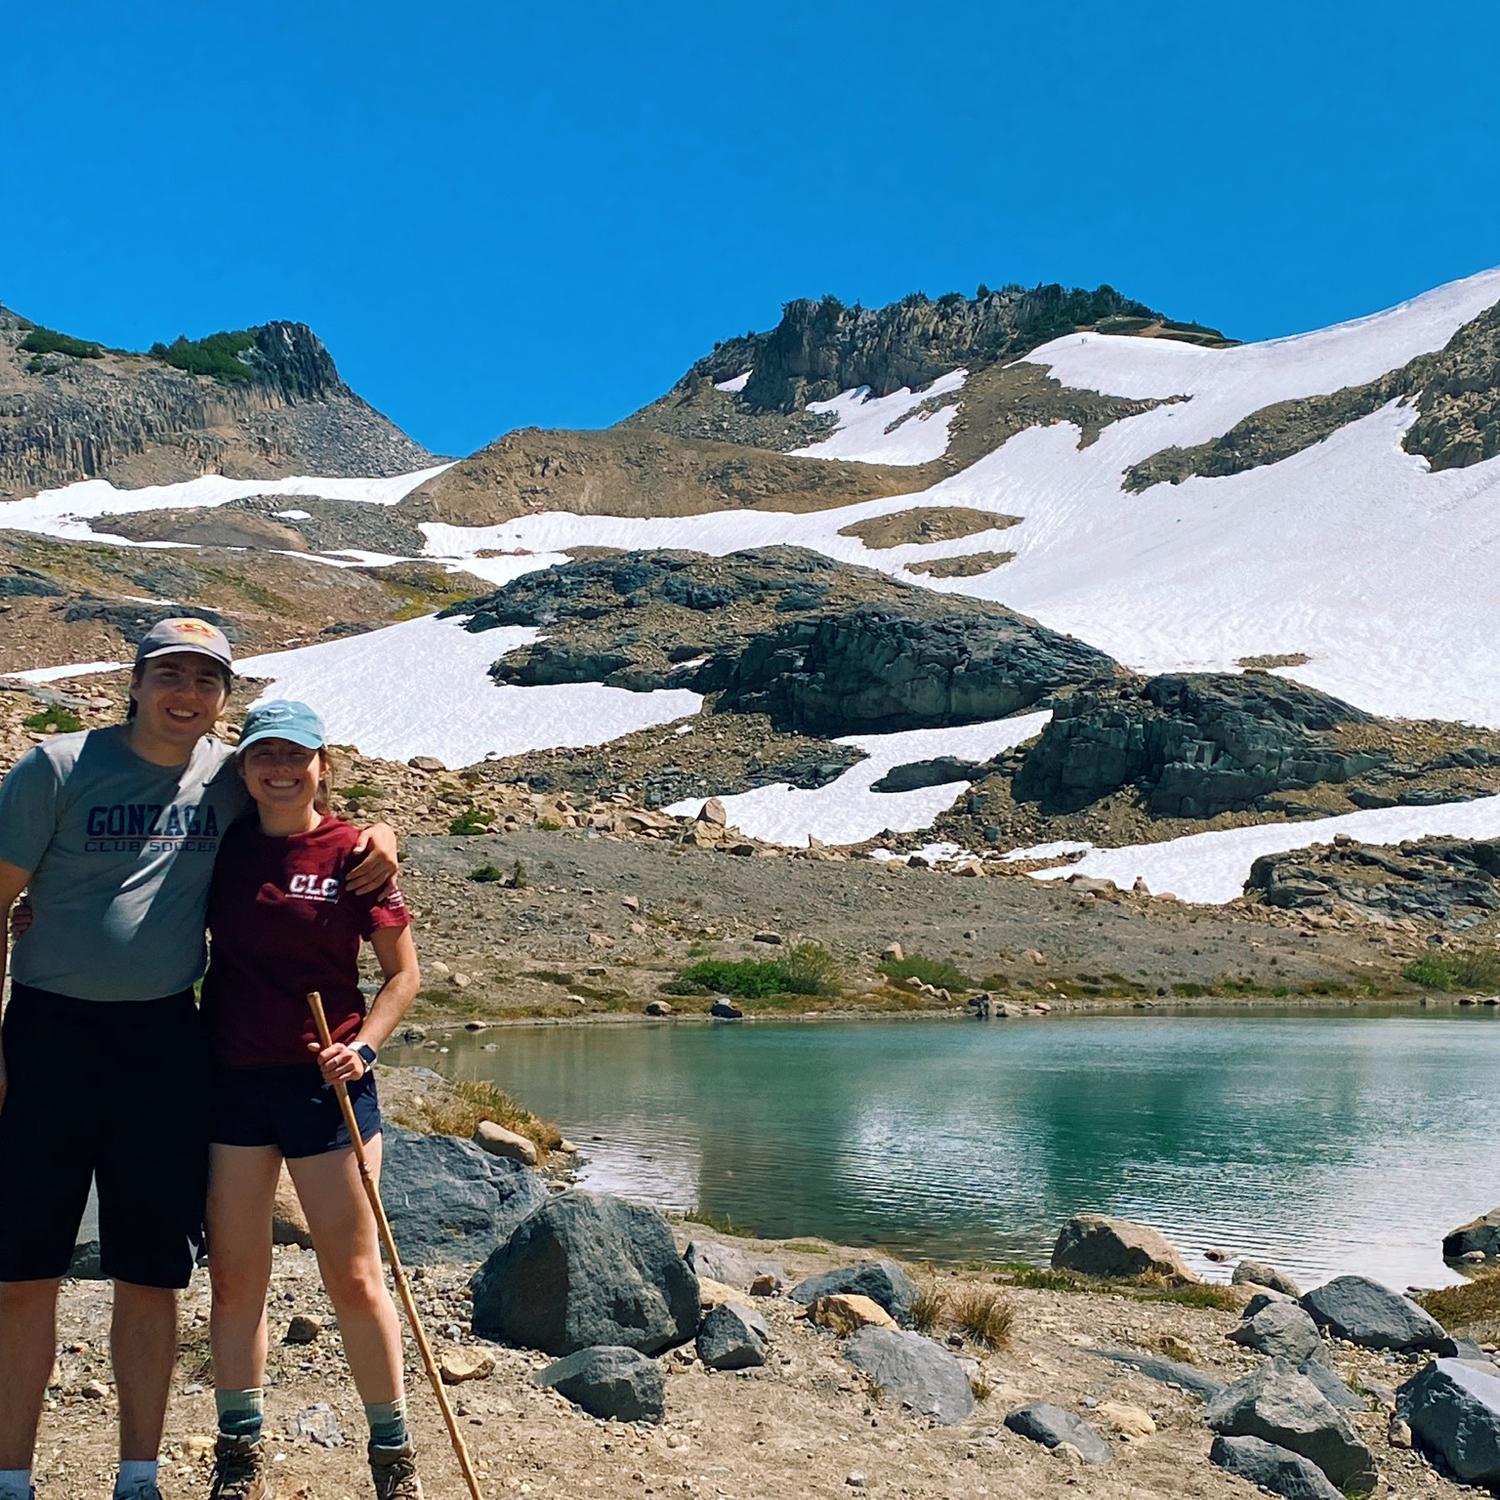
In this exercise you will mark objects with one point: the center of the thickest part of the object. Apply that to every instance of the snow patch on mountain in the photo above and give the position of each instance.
(1211, 868)
(847, 810)
(865, 429)
(737, 384)
(423, 688)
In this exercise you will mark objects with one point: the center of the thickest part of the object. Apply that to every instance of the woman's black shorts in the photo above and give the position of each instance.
(291, 1109)
(109, 1091)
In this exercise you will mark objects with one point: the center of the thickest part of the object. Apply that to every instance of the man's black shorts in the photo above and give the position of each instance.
(291, 1109)
(114, 1091)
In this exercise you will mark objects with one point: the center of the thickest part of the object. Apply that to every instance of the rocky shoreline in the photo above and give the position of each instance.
(591, 1346)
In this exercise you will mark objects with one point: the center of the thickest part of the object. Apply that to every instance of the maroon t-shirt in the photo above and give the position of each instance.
(280, 924)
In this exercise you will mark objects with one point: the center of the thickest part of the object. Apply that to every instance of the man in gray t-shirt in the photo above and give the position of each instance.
(113, 834)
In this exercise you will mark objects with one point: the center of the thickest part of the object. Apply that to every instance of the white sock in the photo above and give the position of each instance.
(15, 1484)
(134, 1474)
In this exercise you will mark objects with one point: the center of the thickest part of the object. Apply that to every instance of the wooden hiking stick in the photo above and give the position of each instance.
(315, 1003)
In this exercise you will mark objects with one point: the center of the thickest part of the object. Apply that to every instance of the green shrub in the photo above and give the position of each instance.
(1467, 969)
(486, 874)
(806, 970)
(54, 719)
(50, 341)
(518, 881)
(548, 824)
(469, 821)
(217, 355)
(934, 971)
(358, 791)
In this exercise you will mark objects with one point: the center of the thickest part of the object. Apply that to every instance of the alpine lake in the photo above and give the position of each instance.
(1326, 1141)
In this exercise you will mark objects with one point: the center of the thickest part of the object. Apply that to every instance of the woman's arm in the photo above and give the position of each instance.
(398, 962)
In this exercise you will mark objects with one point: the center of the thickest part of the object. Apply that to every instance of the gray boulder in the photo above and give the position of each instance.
(1453, 1409)
(1334, 1388)
(1278, 1470)
(882, 1281)
(1258, 1273)
(1372, 1316)
(1050, 1425)
(728, 1266)
(1167, 1371)
(586, 1270)
(1280, 1406)
(733, 1337)
(1264, 1299)
(1095, 1245)
(1282, 1329)
(1481, 1234)
(920, 1374)
(449, 1201)
(610, 1381)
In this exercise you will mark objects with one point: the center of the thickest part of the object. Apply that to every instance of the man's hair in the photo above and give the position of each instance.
(138, 671)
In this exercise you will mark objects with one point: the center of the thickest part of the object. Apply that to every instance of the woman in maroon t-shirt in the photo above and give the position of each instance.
(281, 923)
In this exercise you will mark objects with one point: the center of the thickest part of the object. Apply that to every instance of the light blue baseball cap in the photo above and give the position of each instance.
(283, 719)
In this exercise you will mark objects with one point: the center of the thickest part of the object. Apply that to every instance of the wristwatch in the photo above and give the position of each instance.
(368, 1053)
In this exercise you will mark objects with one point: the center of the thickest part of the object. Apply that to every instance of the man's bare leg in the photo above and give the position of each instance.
(143, 1345)
(28, 1347)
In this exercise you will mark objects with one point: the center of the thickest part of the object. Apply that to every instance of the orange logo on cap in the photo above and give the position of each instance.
(194, 627)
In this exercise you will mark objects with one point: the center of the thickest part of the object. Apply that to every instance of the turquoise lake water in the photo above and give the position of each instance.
(1325, 1141)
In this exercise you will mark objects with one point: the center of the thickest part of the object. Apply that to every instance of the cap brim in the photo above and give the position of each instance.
(184, 650)
(303, 737)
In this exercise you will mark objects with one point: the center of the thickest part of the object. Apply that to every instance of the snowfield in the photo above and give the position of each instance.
(422, 688)
(847, 811)
(1210, 868)
(863, 420)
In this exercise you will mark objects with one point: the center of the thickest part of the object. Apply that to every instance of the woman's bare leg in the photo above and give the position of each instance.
(241, 1199)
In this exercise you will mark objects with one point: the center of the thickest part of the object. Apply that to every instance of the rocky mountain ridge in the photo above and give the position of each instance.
(71, 410)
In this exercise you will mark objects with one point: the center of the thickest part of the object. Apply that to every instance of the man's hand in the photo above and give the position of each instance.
(21, 918)
(339, 1063)
(374, 860)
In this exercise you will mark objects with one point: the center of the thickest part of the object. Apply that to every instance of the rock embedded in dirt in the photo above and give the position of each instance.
(1481, 1234)
(734, 1336)
(843, 1313)
(455, 1366)
(447, 1200)
(610, 1382)
(1258, 1273)
(1280, 1406)
(1131, 1422)
(1167, 1371)
(731, 1266)
(1052, 1426)
(303, 1329)
(1283, 1329)
(1373, 1316)
(585, 1270)
(1096, 1245)
(496, 1140)
(1272, 1468)
(920, 1374)
(1453, 1409)
(882, 1281)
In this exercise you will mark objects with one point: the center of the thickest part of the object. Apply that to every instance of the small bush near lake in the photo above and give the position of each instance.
(928, 1307)
(1147, 1288)
(719, 1223)
(934, 971)
(486, 874)
(475, 1101)
(50, 341)
(54, 719)
(217, 355)
(983, 1313)
(806, 970)
(1472, 1305)
(1469, 969)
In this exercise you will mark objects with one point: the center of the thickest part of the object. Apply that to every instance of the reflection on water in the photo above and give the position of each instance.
(1326, 1143)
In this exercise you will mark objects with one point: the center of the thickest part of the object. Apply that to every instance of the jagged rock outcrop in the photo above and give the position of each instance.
(1192, 744)
(820, 348)
(1453, 883)
(820, 647)
(134, 419)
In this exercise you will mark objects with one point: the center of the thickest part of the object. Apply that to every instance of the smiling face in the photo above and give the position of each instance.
(177, 697)
(281, 775)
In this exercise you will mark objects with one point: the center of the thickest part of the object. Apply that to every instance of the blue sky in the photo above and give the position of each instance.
(499, 216)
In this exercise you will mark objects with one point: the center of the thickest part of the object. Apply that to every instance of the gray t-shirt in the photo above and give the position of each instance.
(121, 852)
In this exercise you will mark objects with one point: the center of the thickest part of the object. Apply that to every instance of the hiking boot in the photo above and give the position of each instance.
(394, 1471)
(140, 1492)
(240, 1470)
